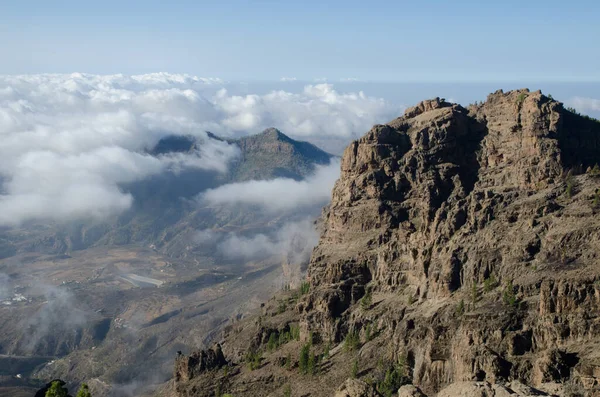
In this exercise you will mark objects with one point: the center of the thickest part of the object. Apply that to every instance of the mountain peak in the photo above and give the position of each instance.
(274, 134)
(475, 230)
(271, 153)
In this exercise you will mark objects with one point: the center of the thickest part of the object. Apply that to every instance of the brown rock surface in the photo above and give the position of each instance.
(189, 367)
(355, 388)
(410, 391)
(478, 238)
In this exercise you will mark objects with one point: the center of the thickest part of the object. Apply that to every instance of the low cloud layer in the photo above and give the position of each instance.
(292, 242)
(69, 142)
(585, 105)
(280, 194)
(59, 313)
(294, 204)
(318, 112)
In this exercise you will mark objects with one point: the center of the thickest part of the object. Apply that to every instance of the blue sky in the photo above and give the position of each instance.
(428, 41)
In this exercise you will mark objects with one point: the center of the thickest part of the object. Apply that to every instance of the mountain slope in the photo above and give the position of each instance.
(272, 154)
(164, 204)
(111, 302)
(460, 248)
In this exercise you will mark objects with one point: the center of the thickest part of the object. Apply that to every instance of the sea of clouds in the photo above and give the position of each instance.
(70, 141)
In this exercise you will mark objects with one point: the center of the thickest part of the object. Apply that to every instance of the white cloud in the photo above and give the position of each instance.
(69, 141)
(280, 194)
(288, 79)
(317, 112)
(58, 313)
(585, 105)
(293, 242)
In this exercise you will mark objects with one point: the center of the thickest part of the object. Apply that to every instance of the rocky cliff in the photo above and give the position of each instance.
(459, 254)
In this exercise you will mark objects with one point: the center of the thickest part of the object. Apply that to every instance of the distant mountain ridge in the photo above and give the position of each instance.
(272, 154)
(163, 201)
(269, 154)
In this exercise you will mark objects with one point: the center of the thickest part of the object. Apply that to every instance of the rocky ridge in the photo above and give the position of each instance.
(459, 254)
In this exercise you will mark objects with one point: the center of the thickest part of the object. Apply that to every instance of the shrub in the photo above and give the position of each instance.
(304, 358)
(284, 337)
(508, 296)
(282, 307)
(326, 351)
(570, 181)
(521, 98)
(312, 364)
(595, 171)
(489, 283)
(394, 378)
(569, 189)
(596, 200)
(295, 332)
(304, 288)
(288, 362)
(368, 332)
(367, 300)
(84, 391)
(460, 309)
(273, 342)
(56, 390)
(287, 391)
(352, 341)
(354, 372)
(253, 359)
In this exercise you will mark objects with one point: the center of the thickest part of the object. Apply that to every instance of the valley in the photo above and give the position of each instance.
(111, 302)
(96, 308)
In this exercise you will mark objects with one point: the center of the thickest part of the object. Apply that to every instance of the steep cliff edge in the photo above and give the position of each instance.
(460, 245)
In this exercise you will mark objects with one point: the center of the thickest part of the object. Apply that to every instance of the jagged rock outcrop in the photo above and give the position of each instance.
(473, 236)
(444, 198)
(189, 367)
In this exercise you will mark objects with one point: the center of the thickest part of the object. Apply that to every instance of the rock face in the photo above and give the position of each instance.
(273, 154)
(437, 202)
(355, 388)
(410, 391)
(473, 236)
(189, 367)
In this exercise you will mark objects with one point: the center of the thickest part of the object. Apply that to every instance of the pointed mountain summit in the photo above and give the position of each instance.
(269, 154)
(273, 154)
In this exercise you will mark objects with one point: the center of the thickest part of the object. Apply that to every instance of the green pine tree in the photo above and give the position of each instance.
(460, 309)
(84, 391)
(312, 364)
(57, 390)
(304, 358)
(354, 373)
